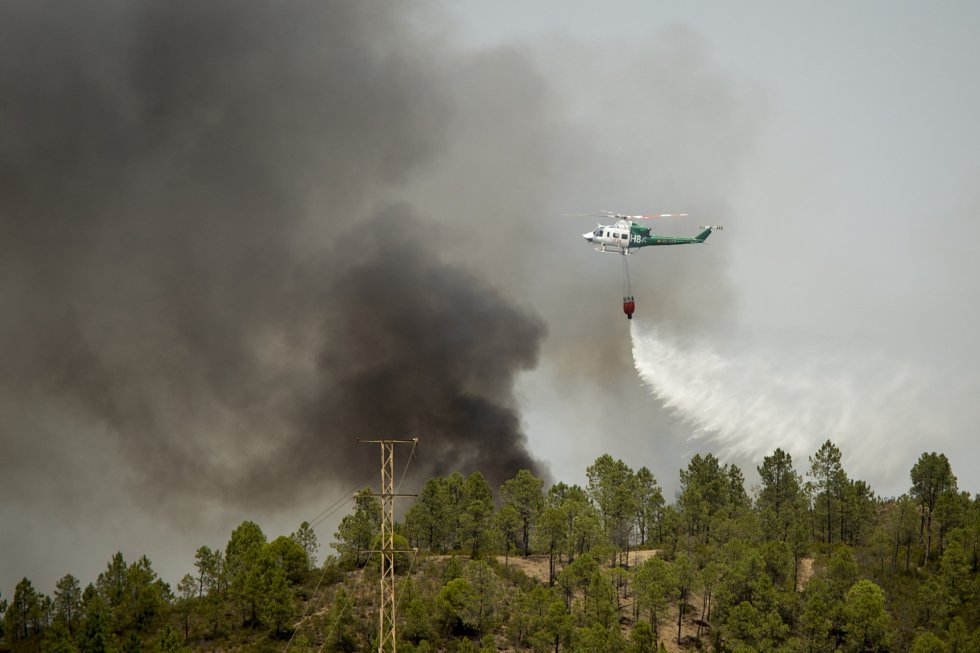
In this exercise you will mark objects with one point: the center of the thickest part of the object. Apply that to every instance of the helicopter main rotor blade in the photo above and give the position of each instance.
(618, 216)
(645, 216)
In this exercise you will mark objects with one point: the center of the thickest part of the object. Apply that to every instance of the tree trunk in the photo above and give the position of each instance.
(796, 572)
(842, 520)
(895, 557)
(704, 609)
(680, 618)
(928, 538)
(829, 520)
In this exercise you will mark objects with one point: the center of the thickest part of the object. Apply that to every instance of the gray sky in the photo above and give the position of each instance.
(837, 144)
(850, 213)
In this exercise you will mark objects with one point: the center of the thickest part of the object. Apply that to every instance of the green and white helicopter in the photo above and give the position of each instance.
(625, 236)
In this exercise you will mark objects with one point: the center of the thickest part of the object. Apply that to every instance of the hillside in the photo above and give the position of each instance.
(821, 565)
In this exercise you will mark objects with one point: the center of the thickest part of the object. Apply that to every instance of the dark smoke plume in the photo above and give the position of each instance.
(186, 262)
(416, 347)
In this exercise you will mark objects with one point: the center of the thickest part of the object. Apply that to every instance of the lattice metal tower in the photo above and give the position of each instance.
(387, 641)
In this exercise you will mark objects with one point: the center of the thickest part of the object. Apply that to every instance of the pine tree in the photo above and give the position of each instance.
(68, 602)
(524, 494)
(932, 477)
(830, 479)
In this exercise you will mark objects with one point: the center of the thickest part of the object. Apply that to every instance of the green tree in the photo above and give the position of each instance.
(600, 602)
(842, 570)
(598, 639)
(955, 577)
(958, 637)
(168, 641)
(580, 574)
(456, 606)
(829, 479)
(111, 585)
(929, 643)
(904, 528)
(524, 610)
(487, 590)
(583, 525)
(507, 524)
(356, 531)
(305, 536)
(340, 636)
(96, 636)
(612, 488)
(866, 622)
(524, 494)
(550, 534)
(212, 580)
(210, 570)
(20, 619)
(778, 560)
(858, 509)
(476, 517)
(555, 628)
(243, 556)
(431, 520)
(146, 595)
(653, 586)
(289, 556)
(932, 477)
(417, 616)
(685, 577)
(643, 638)
(57, 639)
(650, 504)
(746, 602)
(817, 618)
(799, 542)
(187, 590)
(68, 602)
(781, 499)
(933, 603)
(710, 492)
(275, 601)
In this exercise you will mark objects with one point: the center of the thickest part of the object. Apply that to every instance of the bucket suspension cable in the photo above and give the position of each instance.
(629, 305)
(627, 289)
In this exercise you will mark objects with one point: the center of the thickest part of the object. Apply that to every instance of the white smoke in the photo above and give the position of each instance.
(750, 398)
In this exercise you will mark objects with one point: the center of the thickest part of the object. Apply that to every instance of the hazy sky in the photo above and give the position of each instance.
(235, 235)
(846, 167)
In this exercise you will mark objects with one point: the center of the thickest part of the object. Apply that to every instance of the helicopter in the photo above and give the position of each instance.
(626, 236)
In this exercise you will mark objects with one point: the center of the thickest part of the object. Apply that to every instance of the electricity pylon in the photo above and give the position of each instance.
(387, 641)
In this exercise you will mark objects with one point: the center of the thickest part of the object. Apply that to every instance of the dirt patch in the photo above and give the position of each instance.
(536, 566)
(805, 573)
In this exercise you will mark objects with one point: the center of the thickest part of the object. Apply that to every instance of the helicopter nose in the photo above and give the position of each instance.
(588, 236)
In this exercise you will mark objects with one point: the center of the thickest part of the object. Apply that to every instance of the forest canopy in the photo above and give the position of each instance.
(811, 561)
